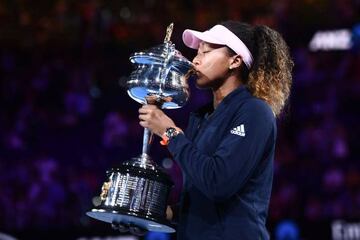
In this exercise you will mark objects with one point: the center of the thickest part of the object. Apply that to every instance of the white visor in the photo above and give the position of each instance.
(218, 35)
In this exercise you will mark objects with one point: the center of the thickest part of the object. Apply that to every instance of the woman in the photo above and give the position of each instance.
(226, 153)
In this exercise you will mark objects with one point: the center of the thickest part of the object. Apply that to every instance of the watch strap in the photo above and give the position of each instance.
(169, 134)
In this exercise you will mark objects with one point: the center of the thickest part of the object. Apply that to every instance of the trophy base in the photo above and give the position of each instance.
(111, 216)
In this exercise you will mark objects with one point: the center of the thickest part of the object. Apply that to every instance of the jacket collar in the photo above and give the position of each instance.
(237, 94)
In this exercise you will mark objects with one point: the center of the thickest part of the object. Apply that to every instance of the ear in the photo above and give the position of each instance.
(235, 62)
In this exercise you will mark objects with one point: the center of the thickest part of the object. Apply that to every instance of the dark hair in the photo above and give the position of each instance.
(269, 77)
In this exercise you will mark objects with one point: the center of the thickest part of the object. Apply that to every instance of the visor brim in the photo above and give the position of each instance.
(192, 38)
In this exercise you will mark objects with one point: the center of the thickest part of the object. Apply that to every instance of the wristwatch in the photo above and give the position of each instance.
(169, 134)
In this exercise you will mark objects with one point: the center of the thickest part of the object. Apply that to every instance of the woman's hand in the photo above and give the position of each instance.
(169, 213)
(154, 119)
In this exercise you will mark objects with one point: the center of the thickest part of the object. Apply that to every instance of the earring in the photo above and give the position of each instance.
(230, 68)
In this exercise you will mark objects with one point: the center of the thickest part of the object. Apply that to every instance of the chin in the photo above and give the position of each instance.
(202, 83)
(201, 87)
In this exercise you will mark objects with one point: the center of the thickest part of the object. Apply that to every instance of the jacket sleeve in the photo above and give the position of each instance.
(224, 173)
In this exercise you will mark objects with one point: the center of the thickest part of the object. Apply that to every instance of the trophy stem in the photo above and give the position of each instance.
(146, 141)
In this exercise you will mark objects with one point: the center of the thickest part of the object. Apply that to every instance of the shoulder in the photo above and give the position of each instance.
(255, 108)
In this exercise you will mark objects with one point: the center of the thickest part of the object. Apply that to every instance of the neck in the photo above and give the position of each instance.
(222, 91)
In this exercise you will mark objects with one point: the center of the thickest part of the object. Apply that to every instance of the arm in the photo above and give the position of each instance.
(224, 173)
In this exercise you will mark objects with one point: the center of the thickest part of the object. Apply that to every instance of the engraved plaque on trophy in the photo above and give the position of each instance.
(137, 192)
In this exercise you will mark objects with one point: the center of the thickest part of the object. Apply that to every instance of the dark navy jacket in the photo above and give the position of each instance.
(227, 161)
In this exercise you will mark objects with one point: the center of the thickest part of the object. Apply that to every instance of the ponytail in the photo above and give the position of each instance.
(270, 77)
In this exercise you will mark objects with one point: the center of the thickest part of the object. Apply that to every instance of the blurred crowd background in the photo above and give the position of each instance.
(65, 116)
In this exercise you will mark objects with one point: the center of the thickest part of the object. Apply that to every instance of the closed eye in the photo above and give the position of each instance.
(203, 52)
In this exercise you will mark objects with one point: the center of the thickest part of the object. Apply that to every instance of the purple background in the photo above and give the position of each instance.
(65, 117)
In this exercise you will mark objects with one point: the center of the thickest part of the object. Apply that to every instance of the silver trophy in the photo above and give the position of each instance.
(136, 193)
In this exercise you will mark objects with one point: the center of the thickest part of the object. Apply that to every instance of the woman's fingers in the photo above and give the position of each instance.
(147, 108)
(154, 119)
(143, 110)
(144, 124)
(143, 117)
(147, 112)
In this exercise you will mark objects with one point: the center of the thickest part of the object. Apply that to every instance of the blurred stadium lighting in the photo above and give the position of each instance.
(340, 39)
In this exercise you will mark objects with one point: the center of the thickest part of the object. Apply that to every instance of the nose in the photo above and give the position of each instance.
(196, 60)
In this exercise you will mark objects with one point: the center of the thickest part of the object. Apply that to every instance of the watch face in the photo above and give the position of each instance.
(171, 132)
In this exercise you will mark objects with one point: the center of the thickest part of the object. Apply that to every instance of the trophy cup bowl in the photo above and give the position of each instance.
(136, 193)
(161, 72)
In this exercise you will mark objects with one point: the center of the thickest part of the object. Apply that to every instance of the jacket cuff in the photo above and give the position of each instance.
(177, 143)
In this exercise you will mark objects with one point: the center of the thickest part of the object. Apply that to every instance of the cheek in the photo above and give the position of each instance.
(215, 69)
(211, 73)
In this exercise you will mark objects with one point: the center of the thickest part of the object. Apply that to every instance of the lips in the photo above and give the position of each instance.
(197, 72)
